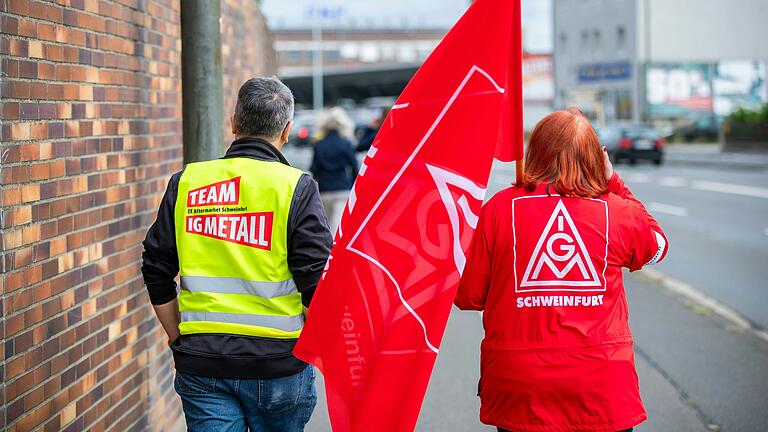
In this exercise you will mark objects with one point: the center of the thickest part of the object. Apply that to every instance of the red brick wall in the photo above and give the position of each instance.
(90, 129)
(247, 51)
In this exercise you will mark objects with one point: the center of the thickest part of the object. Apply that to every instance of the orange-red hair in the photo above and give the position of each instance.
(564, 152)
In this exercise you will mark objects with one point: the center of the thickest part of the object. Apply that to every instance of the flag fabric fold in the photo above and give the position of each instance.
(380, 310)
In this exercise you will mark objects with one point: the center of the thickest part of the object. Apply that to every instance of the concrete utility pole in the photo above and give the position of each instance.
(202, 92)
(318, 14)
(317, 65)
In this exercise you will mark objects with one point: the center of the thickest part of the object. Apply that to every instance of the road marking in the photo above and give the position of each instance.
(711, 186)
(668, 209)
(673, 181)
(683, 289)
(639, 178)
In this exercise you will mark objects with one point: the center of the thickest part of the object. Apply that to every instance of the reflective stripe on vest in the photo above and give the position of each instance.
(231, 219)
(286, 324)
(224, 285)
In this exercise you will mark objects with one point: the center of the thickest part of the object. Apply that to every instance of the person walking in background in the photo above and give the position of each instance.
(249, 237)
(545, 266)
(334, 164)
(370, 131)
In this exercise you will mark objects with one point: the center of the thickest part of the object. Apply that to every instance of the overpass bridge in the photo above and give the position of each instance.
(357, 83)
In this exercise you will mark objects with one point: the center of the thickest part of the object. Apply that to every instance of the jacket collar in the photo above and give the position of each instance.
(255, 148)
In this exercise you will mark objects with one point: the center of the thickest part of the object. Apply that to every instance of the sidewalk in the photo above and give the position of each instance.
(711, 154)
(717, 371)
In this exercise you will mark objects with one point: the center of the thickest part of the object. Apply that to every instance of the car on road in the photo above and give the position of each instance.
(303, 128)
(632, 142)
(703, 128)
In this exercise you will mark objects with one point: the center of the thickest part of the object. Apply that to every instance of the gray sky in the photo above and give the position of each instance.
(537, 15)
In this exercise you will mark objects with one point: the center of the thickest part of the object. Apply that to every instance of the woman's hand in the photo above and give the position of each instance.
(607, 164)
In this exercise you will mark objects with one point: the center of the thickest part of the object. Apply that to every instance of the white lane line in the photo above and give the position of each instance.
(673, 181)
(735, 189)
(668, 209)
(638, 178)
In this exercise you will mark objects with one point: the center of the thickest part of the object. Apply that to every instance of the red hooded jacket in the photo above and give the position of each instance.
(547, 272)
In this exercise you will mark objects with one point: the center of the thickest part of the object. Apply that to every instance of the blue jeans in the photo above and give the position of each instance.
(237, 405)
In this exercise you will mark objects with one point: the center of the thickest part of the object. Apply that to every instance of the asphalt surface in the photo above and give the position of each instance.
(698, 372)
(717, 224)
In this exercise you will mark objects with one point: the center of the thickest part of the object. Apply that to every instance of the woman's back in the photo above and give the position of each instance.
(564, 252)
(334, 164)
(545, 266)
(555, 311)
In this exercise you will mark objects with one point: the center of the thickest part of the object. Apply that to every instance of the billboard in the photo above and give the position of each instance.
(538, 80)
(739, 84)
(678, 90)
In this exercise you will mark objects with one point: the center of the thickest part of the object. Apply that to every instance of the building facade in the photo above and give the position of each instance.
(657, 60)
(358, 64)
(353, 47)
(90, 132)
(363, 63)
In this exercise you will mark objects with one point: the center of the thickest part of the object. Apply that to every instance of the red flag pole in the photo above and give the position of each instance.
(516, 75)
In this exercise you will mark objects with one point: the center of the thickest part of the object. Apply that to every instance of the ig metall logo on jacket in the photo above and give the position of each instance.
(561, 246)
(213, 211)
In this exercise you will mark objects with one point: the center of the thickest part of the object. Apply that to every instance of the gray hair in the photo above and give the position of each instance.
(264, 107)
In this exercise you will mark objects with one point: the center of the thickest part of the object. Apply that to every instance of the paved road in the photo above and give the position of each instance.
(697, 371)
(717, 223)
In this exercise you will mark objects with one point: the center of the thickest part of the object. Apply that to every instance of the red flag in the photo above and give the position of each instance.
(380, 310)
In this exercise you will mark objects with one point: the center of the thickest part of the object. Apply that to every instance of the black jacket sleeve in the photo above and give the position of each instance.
(352, 161)
(366, 141)
(309, 238)
(160, 258)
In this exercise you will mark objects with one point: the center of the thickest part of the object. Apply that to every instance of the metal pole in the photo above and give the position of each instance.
(202, 92)
(317, 64)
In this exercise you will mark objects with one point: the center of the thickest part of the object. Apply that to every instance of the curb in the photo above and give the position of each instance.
(710, 303)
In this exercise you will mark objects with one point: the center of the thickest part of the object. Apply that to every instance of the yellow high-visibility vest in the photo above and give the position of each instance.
(231, 220)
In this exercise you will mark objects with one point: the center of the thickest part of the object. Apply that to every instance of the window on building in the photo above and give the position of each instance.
(596, 36)
(623, 105)
(563, 41)
(332, 56)
(294, 58)
(584, 38)
(621, 37)
(407, 52)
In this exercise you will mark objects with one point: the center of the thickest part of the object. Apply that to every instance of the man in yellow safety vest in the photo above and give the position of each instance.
(248, 235)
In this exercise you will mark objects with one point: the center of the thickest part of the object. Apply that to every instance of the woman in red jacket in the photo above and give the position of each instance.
(545, 267)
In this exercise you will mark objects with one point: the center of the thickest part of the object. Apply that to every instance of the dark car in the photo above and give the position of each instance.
(706, 127)
(632, 143)
(303, 128)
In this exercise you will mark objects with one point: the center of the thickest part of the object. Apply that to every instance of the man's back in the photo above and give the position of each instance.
(245, 228)
(248, 236)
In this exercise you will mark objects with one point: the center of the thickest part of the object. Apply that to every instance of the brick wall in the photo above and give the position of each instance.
(90, 130)
(247, 52)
